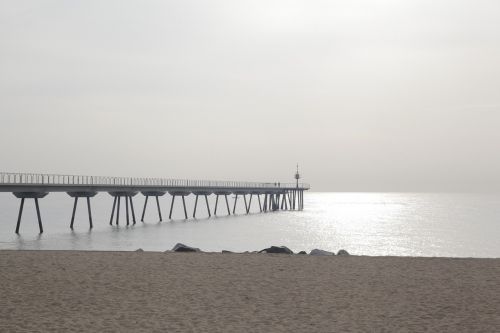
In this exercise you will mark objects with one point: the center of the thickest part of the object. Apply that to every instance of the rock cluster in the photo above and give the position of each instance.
(318, 252)
(277, 249)
(179, 247)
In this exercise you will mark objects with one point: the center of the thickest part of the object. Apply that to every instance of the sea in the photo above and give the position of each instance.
(372, 224)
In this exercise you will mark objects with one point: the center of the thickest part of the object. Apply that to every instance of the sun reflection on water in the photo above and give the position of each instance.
(416, 224)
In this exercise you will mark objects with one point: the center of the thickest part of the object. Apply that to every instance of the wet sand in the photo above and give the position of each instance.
(202, 292)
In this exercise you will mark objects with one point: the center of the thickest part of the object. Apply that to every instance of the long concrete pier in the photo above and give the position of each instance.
(271, 196)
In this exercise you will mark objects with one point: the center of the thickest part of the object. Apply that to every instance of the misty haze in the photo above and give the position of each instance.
(250, 166)
(366, 96)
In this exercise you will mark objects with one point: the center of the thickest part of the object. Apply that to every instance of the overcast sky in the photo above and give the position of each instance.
(366, 95)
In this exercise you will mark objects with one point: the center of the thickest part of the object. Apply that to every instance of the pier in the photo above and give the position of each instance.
(270, 196)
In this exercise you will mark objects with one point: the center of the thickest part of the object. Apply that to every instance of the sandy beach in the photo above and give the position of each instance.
(203, 292)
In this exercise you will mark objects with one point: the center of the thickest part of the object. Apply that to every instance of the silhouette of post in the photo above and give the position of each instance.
(29, 195)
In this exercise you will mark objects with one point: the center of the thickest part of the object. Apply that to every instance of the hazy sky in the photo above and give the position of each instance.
(366, 95)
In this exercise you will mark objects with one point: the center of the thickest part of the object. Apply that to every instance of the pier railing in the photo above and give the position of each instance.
(9, 178)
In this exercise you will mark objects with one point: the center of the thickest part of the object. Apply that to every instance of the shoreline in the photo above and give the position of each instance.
(245, 253)
(153, 291)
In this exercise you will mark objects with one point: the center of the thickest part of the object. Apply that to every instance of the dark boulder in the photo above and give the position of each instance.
(318, 252)
(226, 251)
(277, 249)
(302, 252)
(184, 248)
(343, 253)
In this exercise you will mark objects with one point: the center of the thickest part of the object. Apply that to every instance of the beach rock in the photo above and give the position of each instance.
(277, 249)
(302, 252)
(139, 250)
(318, 252)
(226, 251)
(179, 247)
(342, 253)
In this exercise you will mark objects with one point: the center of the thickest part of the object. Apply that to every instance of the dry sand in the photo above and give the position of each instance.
(186, 292)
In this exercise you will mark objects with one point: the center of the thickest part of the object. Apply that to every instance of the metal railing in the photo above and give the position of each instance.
(10, 178)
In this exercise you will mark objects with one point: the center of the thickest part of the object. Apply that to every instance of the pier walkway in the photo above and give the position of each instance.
(271, 196)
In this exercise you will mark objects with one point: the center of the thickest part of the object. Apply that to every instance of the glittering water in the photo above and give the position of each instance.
(420, 224)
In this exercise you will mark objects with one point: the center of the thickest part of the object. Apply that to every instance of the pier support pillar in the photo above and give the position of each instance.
(185, 210)
(148, 194)
(29, 195)
(78, 195)
(73, 215)
(205, 194)
(260, 205)
(171, 207)
(208, 206)
(113, 210)
(249, 203)
(246, 204)
(21, 207)
(116, 206)
(234, 207)
(216, 202)
(90, 212)
(144, 209)
(126, 209)
(227, 205)
(181, 194)
(195, 205)
(298, 200)
(132, 209)
(40, 226)
(217, 195)
(118, 211)
(301, 200)
(158, 207)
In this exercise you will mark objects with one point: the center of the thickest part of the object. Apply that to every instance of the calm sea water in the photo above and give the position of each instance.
(402, 224)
